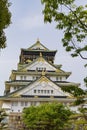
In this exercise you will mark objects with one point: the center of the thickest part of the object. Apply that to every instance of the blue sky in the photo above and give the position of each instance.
(27, 26)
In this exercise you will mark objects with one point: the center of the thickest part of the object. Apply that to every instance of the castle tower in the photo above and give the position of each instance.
(37, 80)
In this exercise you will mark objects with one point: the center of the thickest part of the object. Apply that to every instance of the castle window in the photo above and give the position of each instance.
(35, 91)
(41, 91)
(56, 78)
(33, 77)
(44, 91)
(38, 91)
(14, 103)
(24, 77)
(36, 68)
(60, 78)
(15, 88)
(41, 68)
(44, 69)
(51, 91)
(21, 77)
(33, 103)
(22, 103)
(36, 77)
(26, 103)
(48, 91)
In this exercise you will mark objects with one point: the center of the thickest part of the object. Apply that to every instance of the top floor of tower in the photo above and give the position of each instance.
(36, 50)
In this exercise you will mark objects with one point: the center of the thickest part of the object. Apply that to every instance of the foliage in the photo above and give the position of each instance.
(51, 116)
(81, 124)
(79, 120)
(5, 20)
(3, 115)
(85, 80)
(77, 92)
(83, 110)
(74, 90)
(72, 20)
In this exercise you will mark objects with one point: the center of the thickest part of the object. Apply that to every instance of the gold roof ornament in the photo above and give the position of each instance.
(41, 58)
(40, 54)
(43, 73)
(28, 60)
(38, 40)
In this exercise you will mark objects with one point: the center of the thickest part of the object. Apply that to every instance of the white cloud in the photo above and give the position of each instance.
(28, 22)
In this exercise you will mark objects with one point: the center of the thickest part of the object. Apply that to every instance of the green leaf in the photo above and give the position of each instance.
(46, 116)
(5, 21)
(74, 55)
(69, 48)
(85, 65)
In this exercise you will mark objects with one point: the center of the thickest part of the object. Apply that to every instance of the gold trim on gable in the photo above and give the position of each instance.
(41, 59)
(36, 96)
(15, 95)
(24, 70)
(43, 73)
(40, 54)
(44, 79)
(57, 70)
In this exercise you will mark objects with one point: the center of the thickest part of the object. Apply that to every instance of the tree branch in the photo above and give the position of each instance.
(78, 20)
(78, 52)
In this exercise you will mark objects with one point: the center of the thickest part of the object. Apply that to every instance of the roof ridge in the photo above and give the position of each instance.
(38, 42)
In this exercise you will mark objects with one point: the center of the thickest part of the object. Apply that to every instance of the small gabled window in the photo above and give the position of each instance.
(26, 103)
(35, 91)
(22, 103)
(51, 91)
(36, 68)
(21, 77)
(24, 77)
(60, 78)
(56, 78)
(38, 91)
(33, 103)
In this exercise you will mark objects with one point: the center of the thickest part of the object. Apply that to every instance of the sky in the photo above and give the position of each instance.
(26, 27)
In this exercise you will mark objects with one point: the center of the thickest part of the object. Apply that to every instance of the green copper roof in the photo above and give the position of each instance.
(39, 46)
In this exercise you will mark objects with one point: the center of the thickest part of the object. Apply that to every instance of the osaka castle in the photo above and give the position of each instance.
(37, 80)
